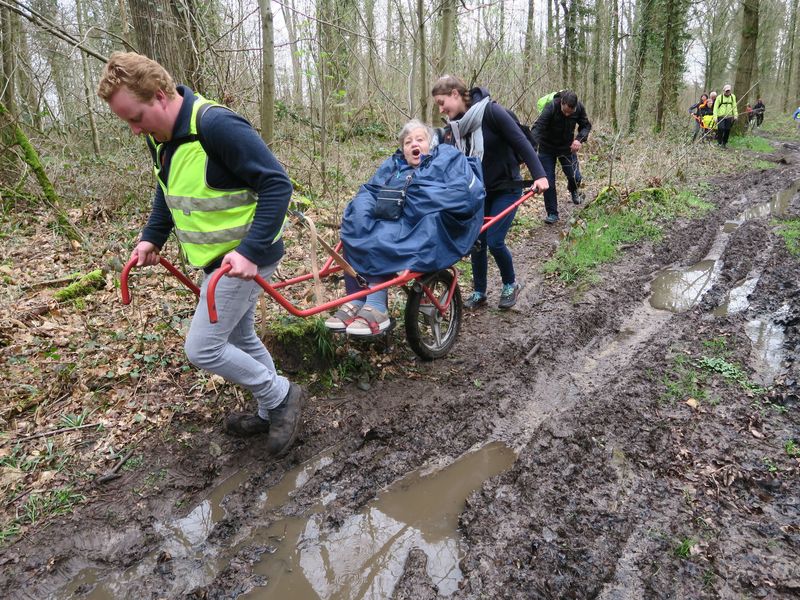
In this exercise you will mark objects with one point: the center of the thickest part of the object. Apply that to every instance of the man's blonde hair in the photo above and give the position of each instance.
(141, 75)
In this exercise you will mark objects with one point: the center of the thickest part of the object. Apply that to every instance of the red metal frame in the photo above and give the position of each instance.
(123, 280)
(327, 269)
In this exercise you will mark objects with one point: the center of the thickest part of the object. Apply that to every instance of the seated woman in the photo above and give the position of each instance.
(422, 210)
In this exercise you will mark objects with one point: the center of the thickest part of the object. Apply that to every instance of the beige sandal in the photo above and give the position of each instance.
(343, 317)
(369, 321)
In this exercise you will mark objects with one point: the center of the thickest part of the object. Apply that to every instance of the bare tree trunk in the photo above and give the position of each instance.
(667, 79)
(614, 58)
(447, 21)
(289, 17)
(267, 73)
(87, 92)
(8, 21)
(568, 71)
(527, 55)
(423, 60)
(125, 28)
(747, 57)
(599, 62)
(372, 48)
(389, 55)
(166, 38)
(796, 77)
(29, 93)
(643, 26)
(790, 48)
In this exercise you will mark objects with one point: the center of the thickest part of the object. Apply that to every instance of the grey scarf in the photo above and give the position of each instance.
(469, 126)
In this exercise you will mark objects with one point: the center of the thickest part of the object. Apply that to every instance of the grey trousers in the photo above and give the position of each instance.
(230, 347)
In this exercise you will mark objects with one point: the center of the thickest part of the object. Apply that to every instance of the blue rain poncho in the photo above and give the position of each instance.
(440, 221)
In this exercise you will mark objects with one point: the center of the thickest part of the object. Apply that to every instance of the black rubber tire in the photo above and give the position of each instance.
(430, 334)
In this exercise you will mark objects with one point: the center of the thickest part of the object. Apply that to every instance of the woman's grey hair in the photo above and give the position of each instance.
(411, 126)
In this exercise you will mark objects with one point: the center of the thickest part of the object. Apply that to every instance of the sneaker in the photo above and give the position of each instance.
(577, 197)
(550, 219)
(285, 421)
(508, 297)
(245, 424)
(369, 321)
(476, 300)
(343, 317)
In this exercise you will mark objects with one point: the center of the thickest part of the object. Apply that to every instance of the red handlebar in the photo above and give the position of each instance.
(123, 280)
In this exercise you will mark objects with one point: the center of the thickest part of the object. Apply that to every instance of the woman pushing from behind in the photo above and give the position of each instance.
(480, 127)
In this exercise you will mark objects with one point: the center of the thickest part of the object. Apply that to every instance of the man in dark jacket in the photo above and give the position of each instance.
(759, 108)
(554, 132)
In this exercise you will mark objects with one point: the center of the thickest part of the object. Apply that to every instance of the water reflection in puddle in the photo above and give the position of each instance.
(365, 556)
(775, 207)
(767, 339)
(193, 562)
(737, 298)
(678, 290)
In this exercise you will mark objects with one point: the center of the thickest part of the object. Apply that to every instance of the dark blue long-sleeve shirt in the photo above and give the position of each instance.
(503, 141)
(237, 158)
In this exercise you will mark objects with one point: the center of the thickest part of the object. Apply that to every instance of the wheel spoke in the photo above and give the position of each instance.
(437, 334)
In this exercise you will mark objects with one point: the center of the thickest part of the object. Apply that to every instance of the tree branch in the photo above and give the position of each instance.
(43, 23)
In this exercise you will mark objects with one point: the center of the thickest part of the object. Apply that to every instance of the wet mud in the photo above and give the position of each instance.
(543, 458)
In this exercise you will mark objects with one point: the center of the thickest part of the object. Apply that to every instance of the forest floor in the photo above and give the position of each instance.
(605, 448)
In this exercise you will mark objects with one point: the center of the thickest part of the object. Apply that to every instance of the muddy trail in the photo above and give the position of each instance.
(611, 443)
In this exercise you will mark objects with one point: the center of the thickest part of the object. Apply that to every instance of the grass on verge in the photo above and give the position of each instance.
(614, 220)
(790, 232)
(750, 142)
(764, 164)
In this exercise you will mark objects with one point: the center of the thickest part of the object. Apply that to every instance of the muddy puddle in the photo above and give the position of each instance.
(365, 556)
(737, 299)
(184, 556)
(299, 558)
(678, 289)
(767, 337)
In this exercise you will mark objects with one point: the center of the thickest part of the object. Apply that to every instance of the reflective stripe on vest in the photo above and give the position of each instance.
(208, 222)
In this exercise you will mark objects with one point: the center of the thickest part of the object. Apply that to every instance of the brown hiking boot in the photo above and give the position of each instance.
(285, 421)
(245, 424)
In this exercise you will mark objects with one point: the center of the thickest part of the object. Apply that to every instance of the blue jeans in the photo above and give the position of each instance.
(572, 171)
(230, 347)
(494, 240)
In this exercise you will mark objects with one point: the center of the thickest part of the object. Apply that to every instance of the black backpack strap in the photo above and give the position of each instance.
(195, 137)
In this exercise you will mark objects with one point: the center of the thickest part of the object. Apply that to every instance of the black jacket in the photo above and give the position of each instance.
(554, 133)
(502, 141)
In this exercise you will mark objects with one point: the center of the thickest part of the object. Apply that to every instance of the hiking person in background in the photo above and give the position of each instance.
(796, 117)
(698, 111)
(725, 113)
(225, 195)
(759, 108)
(480, 127)
(554, 132)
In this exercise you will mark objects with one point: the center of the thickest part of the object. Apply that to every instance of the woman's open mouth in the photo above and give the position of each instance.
(415, 152)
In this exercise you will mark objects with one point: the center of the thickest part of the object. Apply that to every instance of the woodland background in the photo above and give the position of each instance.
(312, 75)
(83, 380)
